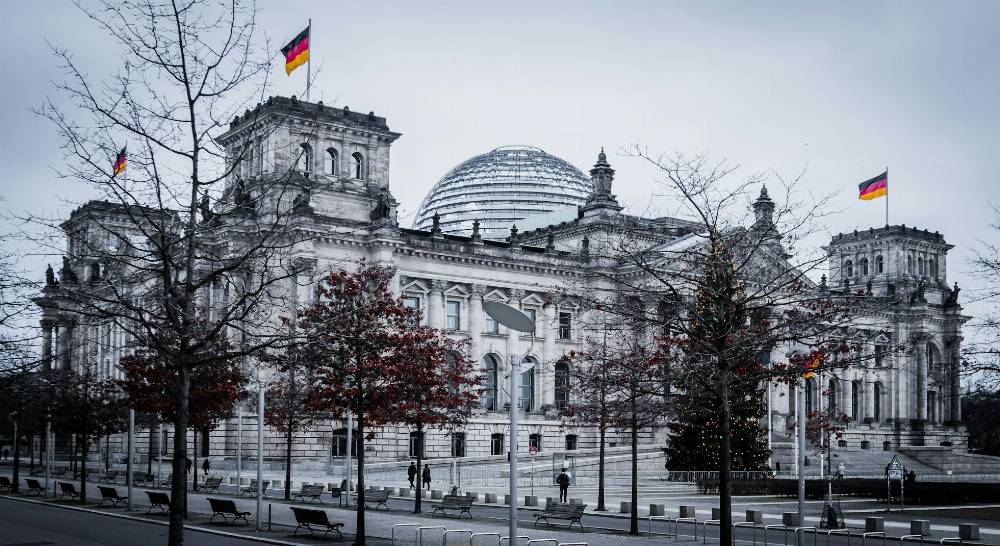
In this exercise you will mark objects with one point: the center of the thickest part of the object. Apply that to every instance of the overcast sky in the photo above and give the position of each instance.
(846, 89)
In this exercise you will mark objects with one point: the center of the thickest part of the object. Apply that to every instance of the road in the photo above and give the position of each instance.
(36, 524)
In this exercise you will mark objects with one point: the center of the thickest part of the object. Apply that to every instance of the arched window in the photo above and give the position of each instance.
(331, 158)
(877, 402)
(489, 396)
(832, 396)
(864, 267)
(458, 444)
(856, 400)
(879, 264)
(849, 268)
(359, 163)
(526, 398)
(416, 444)
(248, 162)
(305, 158)
(562, 384)
(338, 447)
(810, 385)
(920, 266)
(932, 266)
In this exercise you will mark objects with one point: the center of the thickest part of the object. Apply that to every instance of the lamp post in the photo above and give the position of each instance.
(129, 471)
(260, 455)
(520, 322)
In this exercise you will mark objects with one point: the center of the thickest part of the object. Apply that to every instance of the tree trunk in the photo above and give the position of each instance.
(633, 526)
(152, 446)
(359, 538)
(194, 466)
(420, 460)
(17, 459)
(84, 447)
(725, 487)
(288, 461)
(31, 452)
(600, 471)
(72, 452)
(178, 484)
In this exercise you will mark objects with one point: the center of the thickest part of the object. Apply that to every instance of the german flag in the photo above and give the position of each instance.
(297, 51)
(874, 187)
(811, 366)
(119, 164)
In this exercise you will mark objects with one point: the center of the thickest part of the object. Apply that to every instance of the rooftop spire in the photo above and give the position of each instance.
(602, 176)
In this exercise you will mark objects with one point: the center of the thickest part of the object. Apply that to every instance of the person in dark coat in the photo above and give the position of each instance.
(563, 481)
(411, 473)
(427, 477)
(187, 465)
(206, 466)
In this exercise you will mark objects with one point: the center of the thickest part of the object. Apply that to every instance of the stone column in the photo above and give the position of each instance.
(921, 349)
(47, 328)
(65, 347)
(956, 375)
(435, 305)
(514, 349)
(546, 331)
(476, 319)
(869, 398)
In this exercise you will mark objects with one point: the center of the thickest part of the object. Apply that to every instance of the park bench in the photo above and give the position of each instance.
(6, 484)
(142, 478)
(212, 484)
(226, 508)
(306, 517)
(34, 486)
(252, 488)
(66, 488)
(76, 474)
(158, 499)
(165, 482)
(337, 495)
(59, 472)
(311, 492)
(453, 502)
(110, 494)
(111, 476)
(379, 497)
(561, 510)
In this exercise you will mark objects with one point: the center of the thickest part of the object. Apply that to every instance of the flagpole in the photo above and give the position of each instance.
(309, 60)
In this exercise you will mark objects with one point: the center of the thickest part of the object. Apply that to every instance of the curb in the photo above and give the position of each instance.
(155, 522)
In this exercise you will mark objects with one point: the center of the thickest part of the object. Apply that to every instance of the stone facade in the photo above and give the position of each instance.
(342, 157)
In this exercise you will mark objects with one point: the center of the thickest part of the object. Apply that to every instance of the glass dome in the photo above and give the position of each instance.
(499, 189)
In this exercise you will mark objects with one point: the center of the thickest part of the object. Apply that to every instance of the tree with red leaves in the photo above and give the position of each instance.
(438, 387)
(359, 338)
(151, 386)
(287, 410)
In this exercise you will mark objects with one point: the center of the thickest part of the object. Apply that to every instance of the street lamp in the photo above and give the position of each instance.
(520, 322)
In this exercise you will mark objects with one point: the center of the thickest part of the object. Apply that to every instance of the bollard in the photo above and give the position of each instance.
(626, 507)
(550, 500)
(968, 531)
(403, 492)
(874, 524)
(472, 495)
(716, 514)
(920, 527)
(506, 500)
(437, 494)
(657, 510)
(790, 519)
(688, 512)
(755, 516)
(530, 501)
(491, 498)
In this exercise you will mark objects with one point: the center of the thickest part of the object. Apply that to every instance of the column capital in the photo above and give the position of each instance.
(438, 286)
(479, 290)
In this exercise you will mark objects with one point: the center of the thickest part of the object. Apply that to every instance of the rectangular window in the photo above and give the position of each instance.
(571, 442)
(532, 314)
(565, 325)
(535, 441)
(491, 326)
(458, 444)
(496, 444)
(413, 302)
(880, 351)
(416, 444)
(453, 316)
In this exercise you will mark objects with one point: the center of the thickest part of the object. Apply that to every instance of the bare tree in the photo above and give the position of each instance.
(982, 356)
(181, 251)
(722, 290)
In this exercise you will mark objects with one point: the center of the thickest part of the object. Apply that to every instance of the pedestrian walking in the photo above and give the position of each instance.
(411, 473)
(427, 477)
(563, 481)
(187, 465)
(6, 452)
(206, 466)
(841, 471)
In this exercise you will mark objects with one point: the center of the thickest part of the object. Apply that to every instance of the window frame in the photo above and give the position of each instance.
(359, 165)
(457, 316)
(565, 331)
(304, 164)
(497, 443)
(571, 442)
(458, 444)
